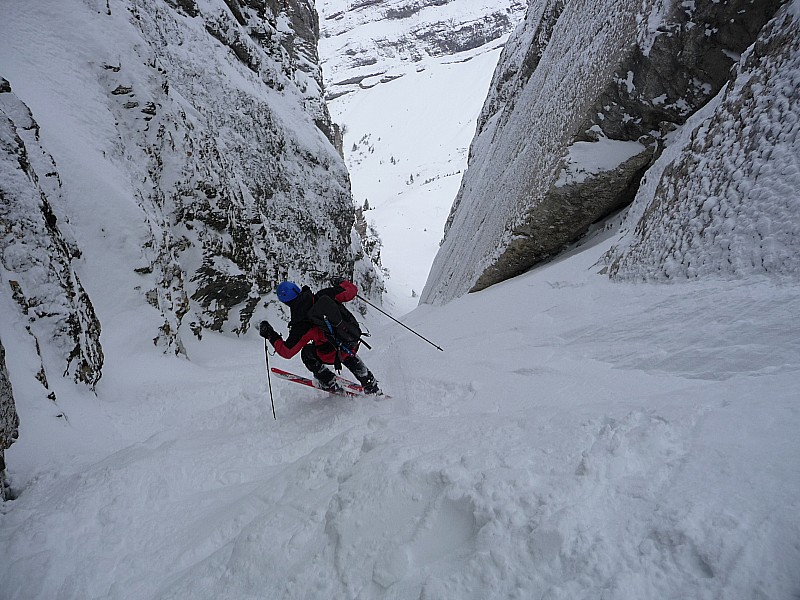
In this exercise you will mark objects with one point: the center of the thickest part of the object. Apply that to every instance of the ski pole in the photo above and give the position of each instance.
(269, 381)
(399, 323)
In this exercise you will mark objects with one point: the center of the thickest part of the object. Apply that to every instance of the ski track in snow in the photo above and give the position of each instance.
(576, 439)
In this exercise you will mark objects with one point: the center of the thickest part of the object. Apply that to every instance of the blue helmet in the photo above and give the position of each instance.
(287, 291)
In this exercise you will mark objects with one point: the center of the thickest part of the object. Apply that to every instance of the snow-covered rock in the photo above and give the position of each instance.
(241, 187)
(580, 104)
(723, 199)
(9, 421)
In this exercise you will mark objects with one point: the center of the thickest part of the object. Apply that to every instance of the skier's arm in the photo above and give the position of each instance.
(294, 343)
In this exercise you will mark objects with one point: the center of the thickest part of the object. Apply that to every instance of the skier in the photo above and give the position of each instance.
(316, 350)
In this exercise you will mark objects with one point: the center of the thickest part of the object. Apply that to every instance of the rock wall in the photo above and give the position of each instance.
(580, 105)
(239, 176)
(723, 199)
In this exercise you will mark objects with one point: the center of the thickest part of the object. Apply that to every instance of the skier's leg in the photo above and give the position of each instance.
(357, 367)
(324, 375)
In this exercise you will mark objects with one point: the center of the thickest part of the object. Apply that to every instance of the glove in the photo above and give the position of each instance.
(266, 331)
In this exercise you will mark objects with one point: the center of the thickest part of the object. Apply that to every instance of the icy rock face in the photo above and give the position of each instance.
(724, 198)
(242, 186)
(582, 98)
(9, 421)
(392, 32)
(37, 252)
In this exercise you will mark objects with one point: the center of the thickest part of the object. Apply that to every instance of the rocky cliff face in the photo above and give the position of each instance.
(366, 42)
(8, 419)
(207, 124)
(716, 203)
(581, 102)
(239, 191)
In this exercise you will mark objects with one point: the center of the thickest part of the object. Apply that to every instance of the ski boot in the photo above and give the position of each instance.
(327, 382)
(363, 374)
(370, 386)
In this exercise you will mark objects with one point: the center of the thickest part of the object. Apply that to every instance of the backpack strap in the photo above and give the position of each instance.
(338, 345)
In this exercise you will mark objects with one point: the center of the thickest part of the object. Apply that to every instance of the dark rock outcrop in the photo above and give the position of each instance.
(580, 104)
(9, 421)
(242, 179)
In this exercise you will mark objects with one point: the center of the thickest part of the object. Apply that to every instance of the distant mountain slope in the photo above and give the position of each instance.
(365, 42)
(406, 81)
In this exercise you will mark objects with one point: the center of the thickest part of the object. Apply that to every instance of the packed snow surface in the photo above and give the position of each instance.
(577, 438)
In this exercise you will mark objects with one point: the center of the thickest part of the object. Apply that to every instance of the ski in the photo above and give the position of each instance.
(349, 388)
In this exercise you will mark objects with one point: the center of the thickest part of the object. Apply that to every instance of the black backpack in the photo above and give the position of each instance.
(340, 326)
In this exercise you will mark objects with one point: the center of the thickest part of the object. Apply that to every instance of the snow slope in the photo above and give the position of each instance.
(578, 438)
